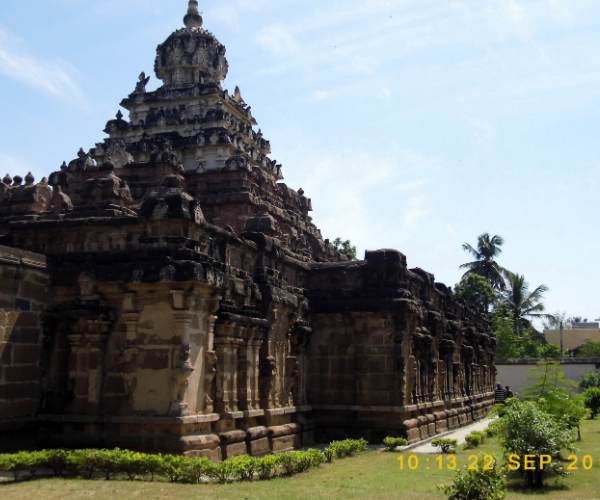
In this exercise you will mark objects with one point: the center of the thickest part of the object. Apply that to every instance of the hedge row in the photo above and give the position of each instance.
(130, 465)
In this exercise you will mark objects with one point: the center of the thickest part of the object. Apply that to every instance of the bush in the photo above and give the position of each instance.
(346, 448)
(57, 460)
(243, 467)
(484, 484)
(174, 467)
(481, 434)
(445, 445)
(592, 400)
(266, 466)
(391, 443)
(86, 461)
(197, 470)
(473, 440)
(529, 430)
(23, 461)
(494, 428)
(224, 472)
(591, 379)
(150, 465)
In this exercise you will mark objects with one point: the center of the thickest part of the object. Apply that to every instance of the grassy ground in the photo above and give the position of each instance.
(372, 476)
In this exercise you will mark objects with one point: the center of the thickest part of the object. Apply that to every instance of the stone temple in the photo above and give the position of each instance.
(165, 292)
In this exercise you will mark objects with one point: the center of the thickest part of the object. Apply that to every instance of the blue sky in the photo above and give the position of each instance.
(412, 124)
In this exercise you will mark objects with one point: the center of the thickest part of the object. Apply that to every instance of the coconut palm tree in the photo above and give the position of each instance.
(520, 304)
(484, 264)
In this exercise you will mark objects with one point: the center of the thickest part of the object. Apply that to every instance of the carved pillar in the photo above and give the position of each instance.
(130, 316)
(97, 335)
(226, 368)
(245, 377)
(255, 369)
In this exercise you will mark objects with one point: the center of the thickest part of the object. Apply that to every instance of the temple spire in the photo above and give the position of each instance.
(193, 19)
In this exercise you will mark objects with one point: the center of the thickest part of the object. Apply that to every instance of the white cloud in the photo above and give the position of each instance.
(322, 94)
(53, 77)
(277, 39)
(410, 186)
(419, 207)
(484, 129)
(384, 93)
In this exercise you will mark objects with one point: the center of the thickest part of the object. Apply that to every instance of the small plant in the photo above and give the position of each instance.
(224, 472)
(481, 483)
(494, 428)
(88, 461)
(266, 466)
(243, 467)
(445, 445)
(174, 467)
(592, 400)
(345, 448)
(150, 465)
(481, 434)
(57, 460)
(391, 443)
(472, 441)
(198, 470)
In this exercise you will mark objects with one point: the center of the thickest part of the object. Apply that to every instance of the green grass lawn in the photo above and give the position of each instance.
(372, 475)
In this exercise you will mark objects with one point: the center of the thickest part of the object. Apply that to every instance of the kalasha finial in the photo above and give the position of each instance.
(193, 19)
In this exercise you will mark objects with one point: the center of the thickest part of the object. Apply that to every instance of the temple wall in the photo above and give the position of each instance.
(392, 353)
(24, 296)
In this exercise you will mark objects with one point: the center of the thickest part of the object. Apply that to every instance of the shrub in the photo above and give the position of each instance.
(485, 484)
(472, 440)
(224, 472)
(391, 443)
(494, 428)
(87, 461)
(592, 400)
(111, 462)
(198, 469)
(316, 457)
(529, 430)
(266, 466)
(591, 379)
(130, 463)
(57, 460)
(346, 448)
(22, 461)
(150, 465)
(174, 467)
(481, 434)
(243, 467)
(445, 445)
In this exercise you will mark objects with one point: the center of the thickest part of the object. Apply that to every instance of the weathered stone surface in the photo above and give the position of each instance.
(169, 294)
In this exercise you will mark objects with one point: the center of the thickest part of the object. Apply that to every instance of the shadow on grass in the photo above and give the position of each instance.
(519, 487)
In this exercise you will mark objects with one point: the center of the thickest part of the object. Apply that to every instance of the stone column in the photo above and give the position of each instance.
(226, 368)
(255, 367)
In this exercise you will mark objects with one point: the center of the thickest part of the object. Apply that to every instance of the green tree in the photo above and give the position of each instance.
(510, 345)
(550, 351)
(520, 304)
(345, 248)
(590, 349)
(554, 393)
(554, 320)
(529, 430)
(488, 248)
(590, 379)
(476, 290)
(591, 399)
